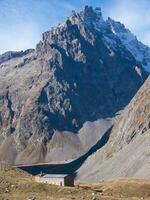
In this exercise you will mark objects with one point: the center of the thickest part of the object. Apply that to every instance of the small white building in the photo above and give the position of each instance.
(56, 179)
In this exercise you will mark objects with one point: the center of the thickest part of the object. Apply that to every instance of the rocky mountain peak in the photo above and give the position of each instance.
(89, 18)
(88, 23)
(78, 73)
(92, 18)
(89, 13)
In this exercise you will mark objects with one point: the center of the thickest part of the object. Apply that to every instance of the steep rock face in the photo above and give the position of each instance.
(79, 54)
(134, 120)
(72, 77)
(127, 153)
(140, 51)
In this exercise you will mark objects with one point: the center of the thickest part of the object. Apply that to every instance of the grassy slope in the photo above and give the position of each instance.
(17, 185)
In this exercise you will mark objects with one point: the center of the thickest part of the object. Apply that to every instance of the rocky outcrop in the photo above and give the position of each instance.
(14, 54)
(73, 76)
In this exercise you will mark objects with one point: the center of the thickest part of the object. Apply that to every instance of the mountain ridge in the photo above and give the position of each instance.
(73, 76)
(127, 152)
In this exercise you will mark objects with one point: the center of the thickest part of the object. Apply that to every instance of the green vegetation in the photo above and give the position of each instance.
(18, 185)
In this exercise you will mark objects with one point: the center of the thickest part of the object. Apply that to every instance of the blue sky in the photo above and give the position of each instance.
(22, 22)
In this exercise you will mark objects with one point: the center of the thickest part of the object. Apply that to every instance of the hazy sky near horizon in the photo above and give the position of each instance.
(22, 22)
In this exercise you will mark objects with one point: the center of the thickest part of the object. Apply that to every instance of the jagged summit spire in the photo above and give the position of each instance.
(98, 11)
(88, 10)
(91, 16)
(89, 23)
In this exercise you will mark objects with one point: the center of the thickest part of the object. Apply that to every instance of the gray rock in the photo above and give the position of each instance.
(72, 77)
(127, 152)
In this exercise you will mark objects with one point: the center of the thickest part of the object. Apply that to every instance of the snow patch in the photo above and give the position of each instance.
(138, 70)
(101, 61)
(139, 51)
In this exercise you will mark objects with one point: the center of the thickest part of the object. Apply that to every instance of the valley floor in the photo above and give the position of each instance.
(18, 185)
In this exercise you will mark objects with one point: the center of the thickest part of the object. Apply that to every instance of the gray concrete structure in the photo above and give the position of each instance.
(56, 179)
